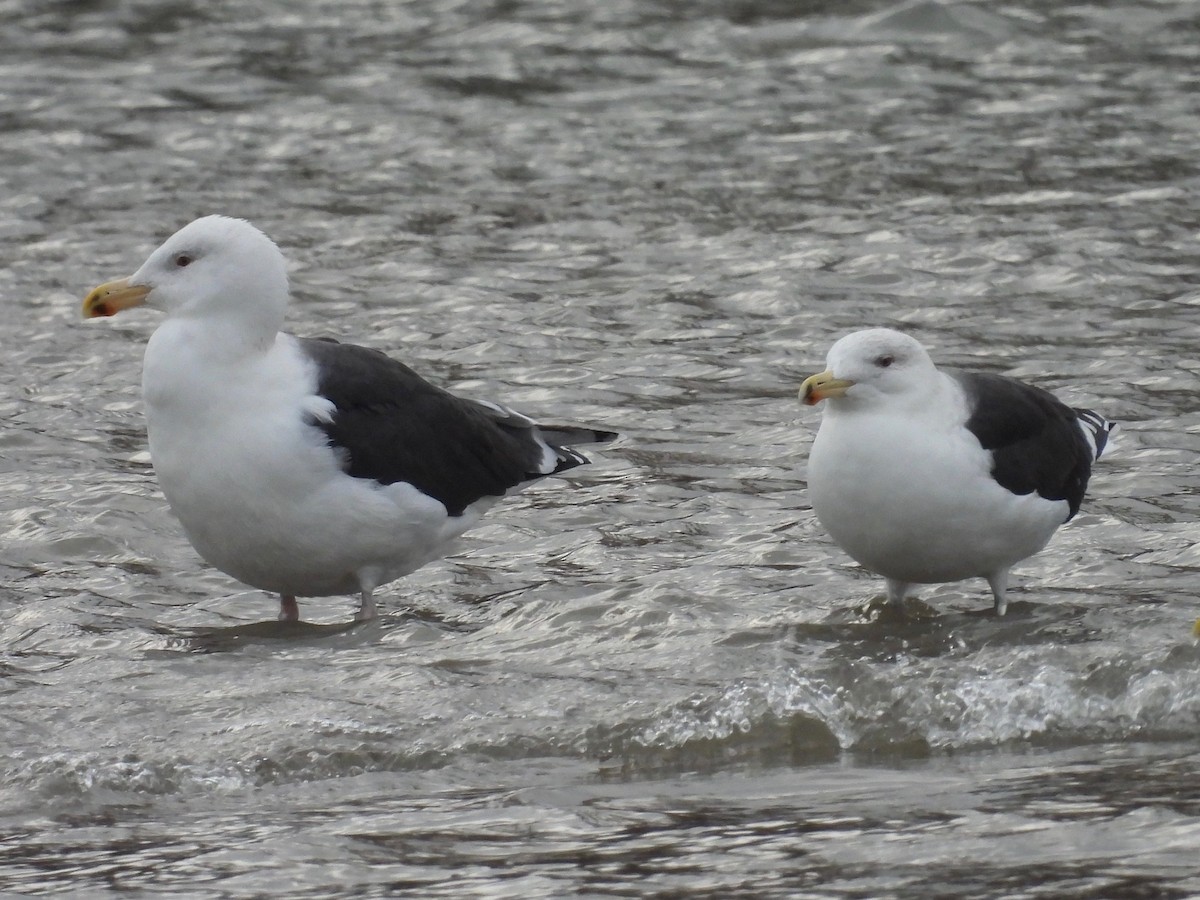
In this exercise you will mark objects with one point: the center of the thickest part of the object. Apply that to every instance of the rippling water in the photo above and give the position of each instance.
(659, 676)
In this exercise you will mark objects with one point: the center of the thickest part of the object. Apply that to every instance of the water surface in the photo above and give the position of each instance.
(657, 676)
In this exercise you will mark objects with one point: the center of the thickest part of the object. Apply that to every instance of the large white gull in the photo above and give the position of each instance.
(925, 475)
(307, 467)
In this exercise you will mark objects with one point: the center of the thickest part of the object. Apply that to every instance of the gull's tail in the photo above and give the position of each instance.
(562, 438)
(1096, 430)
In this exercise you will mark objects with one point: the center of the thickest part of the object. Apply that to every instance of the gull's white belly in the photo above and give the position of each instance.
(917, 504)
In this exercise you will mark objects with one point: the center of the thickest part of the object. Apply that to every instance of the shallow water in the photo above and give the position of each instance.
(656, 676)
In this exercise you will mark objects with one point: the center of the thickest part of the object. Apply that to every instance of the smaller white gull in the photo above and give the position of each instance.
(926, 476)
(307, 467)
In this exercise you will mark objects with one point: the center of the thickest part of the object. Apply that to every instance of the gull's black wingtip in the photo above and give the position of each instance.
(568, 436)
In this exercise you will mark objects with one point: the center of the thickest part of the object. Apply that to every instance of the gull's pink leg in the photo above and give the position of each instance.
(289, 610)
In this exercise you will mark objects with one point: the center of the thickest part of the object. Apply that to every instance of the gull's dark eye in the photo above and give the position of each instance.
(884, 361)
(183, 259)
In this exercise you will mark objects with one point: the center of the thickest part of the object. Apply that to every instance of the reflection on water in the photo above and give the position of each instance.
(659, 676)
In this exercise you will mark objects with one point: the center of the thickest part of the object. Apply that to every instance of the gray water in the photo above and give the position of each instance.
(657, 677)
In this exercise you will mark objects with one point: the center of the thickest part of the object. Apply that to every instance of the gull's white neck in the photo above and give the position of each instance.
(190, 360)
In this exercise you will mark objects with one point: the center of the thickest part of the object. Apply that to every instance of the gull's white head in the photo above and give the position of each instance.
(214, 267)
(869, 367)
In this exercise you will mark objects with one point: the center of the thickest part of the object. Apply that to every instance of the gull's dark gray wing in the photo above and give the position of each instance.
(1037, 442)
(390, 425)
